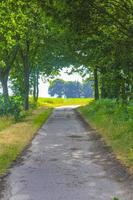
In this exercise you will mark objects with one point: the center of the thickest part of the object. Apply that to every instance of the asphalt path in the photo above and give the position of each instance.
(67, 160)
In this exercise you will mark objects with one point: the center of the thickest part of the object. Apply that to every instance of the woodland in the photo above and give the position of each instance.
(40, 37)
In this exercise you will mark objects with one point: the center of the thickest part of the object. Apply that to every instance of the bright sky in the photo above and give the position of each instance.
(43, 87)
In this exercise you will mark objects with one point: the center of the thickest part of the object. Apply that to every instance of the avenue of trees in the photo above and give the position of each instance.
(70, 89)
(39, 37)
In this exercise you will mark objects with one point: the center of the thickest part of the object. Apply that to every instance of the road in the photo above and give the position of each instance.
(67, 161)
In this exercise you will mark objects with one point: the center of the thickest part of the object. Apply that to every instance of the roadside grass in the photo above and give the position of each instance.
(55, 102)
(17, 136)
(5, 122)
(115, 123)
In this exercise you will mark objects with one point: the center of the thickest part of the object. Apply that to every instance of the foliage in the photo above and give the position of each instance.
(17, 83)
(115, 123)
(70, 89)
(56, 88)
(12, 107)
(87, 89)
(41, 37)
(101, 37)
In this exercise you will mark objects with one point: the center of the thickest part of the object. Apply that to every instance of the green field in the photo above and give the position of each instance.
(115, 123)
(55, 102)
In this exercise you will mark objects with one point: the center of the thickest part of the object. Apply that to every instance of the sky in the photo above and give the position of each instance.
(43, 86)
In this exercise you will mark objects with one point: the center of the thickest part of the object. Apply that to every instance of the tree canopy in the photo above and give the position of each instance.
(40, 37)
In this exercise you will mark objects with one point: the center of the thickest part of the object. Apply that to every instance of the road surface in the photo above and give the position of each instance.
(67, 161)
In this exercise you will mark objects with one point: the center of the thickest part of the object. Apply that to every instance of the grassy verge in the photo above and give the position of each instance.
(55, 102)
(115, 124)
(5, 122)
(15, 137)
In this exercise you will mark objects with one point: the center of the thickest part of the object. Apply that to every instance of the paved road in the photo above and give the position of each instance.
(66, 161)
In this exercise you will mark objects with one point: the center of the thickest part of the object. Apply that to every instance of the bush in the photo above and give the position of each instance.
(13, 107)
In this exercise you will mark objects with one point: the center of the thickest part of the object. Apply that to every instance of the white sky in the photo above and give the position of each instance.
(43, 87)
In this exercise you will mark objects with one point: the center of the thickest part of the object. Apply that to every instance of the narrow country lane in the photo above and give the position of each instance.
(67, 161)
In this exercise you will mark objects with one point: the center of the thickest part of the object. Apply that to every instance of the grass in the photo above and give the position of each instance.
(115, 123)
(55, 102)
(5, 122)
(15, 137)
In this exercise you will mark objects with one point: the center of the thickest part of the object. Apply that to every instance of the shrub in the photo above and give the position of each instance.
(13, 107)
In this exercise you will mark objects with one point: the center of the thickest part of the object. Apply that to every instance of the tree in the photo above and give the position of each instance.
(70, 89)
(10, 20)
(56, 88)
(40, 37)
(87, 89)
(103, 34)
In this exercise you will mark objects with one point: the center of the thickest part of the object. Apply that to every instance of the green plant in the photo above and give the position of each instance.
(12, 107)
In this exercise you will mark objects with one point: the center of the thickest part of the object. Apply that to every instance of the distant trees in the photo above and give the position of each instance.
(87, 89)
(70, 89)
(56, 88)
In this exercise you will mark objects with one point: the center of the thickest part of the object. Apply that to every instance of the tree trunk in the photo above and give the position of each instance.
(102, 88)
(131, 90)
(26, 64)
(36, 88)
(4, 72)
(26, 83)
(4, 82)
(123, 92)
(96, 86)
